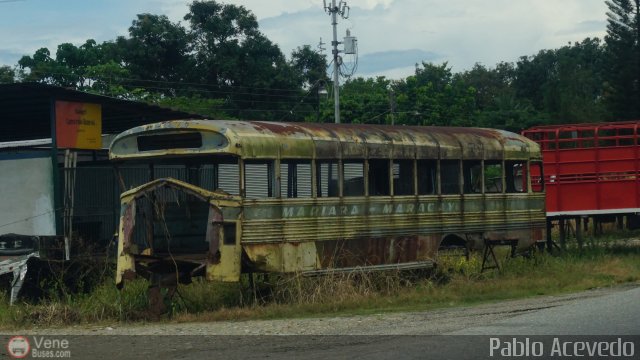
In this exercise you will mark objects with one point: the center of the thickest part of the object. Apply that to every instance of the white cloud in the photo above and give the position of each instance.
(461, 32)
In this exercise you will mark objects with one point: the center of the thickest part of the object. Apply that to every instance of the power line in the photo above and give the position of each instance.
(293, 97)
(311, 88)
(381, 109)
(31, 217)
(88, 77)
(295, 103)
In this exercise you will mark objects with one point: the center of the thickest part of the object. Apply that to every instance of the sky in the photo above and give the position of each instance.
(393, 35)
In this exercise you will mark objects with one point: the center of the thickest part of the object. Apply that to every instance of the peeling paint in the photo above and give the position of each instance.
(318, 234)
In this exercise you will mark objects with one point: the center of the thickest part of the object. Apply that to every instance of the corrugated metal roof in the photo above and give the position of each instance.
(25, 111)
(25, 143)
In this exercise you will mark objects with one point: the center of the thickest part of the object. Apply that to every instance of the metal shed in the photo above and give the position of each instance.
(28, 148)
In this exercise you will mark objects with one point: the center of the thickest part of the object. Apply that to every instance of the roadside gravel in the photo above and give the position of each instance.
(433, 322)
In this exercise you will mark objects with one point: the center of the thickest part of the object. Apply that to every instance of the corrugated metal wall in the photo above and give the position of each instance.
(98, 189)
(97, 204)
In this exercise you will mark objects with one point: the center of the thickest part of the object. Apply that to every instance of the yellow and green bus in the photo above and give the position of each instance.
(235, 197)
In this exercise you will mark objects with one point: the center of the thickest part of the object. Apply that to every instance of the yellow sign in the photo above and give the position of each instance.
(78, 125)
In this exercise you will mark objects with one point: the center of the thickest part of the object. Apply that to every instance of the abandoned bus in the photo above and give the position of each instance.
(233, 197)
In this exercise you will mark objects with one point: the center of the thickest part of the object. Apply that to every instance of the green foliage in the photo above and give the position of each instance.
(433, 96)
(623, 58)
(364, 101)
(454, 282)
(106, 79)
(7, 75)
(310, 65)
(247, 68)
(218, 63)
(156, 49)
(489, 84)
(578, 91)
(195, 104)
(565, 83)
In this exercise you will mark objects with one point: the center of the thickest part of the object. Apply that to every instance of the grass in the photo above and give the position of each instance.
(456, 282)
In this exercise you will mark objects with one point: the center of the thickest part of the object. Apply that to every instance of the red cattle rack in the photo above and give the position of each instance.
(589, 169)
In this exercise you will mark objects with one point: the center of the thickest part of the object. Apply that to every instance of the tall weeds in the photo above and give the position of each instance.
(455, 281)
(338, 287)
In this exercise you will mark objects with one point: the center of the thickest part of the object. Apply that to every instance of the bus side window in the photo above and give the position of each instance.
(327, 174)
(450, 177)
(295, 179)
(223, 174)
(427, 177)
(208, 174)
(353, 178)
(259, 179)
(493, 177)
(228, 178)
(379, 177)
(403, 177)
(472, 176)
(516, 176)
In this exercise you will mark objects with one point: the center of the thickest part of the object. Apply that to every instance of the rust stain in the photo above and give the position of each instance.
(347, 242)
(278, 128)
(374, 251)
(128, 221)
(270, 135)
(213, 235)
(129, 275)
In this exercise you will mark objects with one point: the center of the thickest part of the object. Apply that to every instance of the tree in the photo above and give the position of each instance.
(496, 104)
(249, 71)
(41, 67)
(221, 56)
(7, 75)
(311, 65)
(623, 54)
(70, 66)
(434, 97)
(576, 93)
(106, 79)
(222, 64)
(195, 104)
(363, 101)
(220, 33)
(156, 49)
(533, 75)
(566, 84)
(489, 84)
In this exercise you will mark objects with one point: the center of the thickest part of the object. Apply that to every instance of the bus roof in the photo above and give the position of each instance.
(268, 140)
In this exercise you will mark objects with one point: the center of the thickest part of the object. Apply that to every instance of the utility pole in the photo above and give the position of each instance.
(334, 10)
(392, 106)
(321, 47)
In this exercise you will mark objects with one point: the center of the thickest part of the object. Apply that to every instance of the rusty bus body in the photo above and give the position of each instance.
(313, 198)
